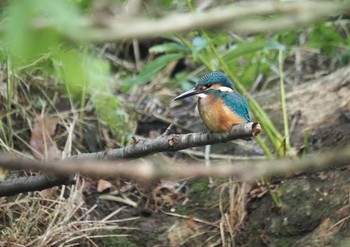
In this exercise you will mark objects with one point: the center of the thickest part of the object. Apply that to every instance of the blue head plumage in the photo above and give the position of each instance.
(215, 77)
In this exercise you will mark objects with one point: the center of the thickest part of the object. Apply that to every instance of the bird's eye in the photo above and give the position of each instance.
(207, 85)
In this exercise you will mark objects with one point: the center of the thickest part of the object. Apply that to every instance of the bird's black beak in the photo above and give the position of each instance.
(188, 93)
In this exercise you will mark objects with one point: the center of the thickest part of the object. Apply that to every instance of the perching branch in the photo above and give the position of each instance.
(142, 148)
(252, 18)
(174, 142)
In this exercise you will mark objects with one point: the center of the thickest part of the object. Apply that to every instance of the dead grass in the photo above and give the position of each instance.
(55, 218)
(232, 207)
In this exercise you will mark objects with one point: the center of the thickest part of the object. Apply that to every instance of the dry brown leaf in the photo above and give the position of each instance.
(191, 223)
(50, 193)
(53, 152)
(166, 194)
(103, 185)
(258, 192)
(41, 142)
(110, 143)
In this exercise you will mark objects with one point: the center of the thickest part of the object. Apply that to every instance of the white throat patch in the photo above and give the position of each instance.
(201, 95)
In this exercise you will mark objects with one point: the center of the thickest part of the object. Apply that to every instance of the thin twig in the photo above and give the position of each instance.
(169, 130)
(191, 152)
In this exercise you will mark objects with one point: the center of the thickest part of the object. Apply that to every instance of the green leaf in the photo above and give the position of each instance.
(25, 42)
(218, 38)
(70, 68)
(167, 48)
(22, 41)
(249, 74)
(97, 71)
(101, 90)
(150, 70)
(110, 113)
(83, 4)
(325, 37)
(289, 38)
(63, 15)
(244, 48)
(274, 45)
(83, 73)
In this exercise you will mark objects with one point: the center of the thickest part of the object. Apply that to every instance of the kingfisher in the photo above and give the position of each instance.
(220, 105)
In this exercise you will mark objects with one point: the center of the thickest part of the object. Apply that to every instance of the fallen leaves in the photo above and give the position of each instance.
(103, 185)
(167, 194)
(41, 143)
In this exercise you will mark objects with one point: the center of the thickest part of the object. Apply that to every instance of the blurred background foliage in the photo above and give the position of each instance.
(110, 91)
(109, 79)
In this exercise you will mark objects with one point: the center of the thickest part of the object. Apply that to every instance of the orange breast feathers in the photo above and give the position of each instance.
(216, 116)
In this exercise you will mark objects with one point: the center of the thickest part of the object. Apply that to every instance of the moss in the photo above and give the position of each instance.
(152, 230)
(202, 198)
(200, 190)
(308, 204)
(285, 242)
(118, 242)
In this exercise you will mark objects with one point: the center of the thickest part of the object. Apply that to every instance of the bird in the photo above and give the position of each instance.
(220, 105)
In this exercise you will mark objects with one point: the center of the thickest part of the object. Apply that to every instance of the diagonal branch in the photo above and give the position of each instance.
(174, 142)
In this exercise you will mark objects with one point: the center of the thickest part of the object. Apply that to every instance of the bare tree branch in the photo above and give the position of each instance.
(152, 168)
(33, 183)
(174, 142)
(245, 18)
(142, 148)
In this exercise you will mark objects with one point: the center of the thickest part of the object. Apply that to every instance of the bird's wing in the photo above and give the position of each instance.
(238, 104)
